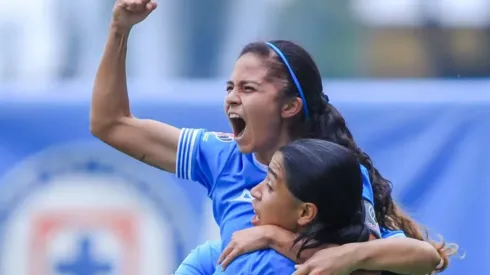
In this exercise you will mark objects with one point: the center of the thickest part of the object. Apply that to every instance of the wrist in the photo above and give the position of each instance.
(119, 29)
(269, 235)
(358, 254)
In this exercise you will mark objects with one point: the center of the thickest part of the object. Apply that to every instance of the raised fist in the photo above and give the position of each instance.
(127, 13)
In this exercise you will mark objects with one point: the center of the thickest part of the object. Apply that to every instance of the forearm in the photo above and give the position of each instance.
(110, 98)
(282, 242)
(398, 255)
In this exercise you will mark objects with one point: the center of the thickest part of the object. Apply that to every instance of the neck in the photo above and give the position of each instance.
(265, 156)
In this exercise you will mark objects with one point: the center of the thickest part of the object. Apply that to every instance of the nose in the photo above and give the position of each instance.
(256, 193)
(232, 98)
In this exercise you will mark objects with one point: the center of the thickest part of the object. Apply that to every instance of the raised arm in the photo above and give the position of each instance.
(110, 118)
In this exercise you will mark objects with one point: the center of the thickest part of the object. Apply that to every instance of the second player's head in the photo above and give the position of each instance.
(275, 92)
(313, 187)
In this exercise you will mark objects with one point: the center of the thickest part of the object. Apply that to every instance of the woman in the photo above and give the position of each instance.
(270, 102)
(313, 188)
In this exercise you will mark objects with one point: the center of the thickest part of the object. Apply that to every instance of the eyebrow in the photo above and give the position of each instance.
(243, 82)
(274, 175)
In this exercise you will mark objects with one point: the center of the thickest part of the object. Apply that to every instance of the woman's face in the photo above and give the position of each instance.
(274, 204)
(252, 105)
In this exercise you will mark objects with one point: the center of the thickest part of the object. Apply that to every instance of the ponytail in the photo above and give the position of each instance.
(328, 124)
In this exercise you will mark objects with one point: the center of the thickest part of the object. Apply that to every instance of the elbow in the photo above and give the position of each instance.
(103, 127)
(95, 129)
(432, 255)
(102, 122)
(99, 127)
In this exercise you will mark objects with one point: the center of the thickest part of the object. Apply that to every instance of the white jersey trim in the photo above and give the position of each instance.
(185, 149)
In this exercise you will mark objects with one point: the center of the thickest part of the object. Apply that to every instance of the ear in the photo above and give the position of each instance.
(308, 212)
(292, 107)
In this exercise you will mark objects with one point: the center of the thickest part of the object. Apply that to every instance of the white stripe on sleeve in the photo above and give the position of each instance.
(185, 148)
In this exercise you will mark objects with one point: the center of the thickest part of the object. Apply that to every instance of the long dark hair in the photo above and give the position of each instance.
(324, 121)
(329, 176)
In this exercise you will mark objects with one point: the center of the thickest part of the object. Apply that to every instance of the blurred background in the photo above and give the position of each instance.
(412, 78)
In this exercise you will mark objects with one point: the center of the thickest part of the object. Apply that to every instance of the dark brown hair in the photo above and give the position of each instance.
(325, 122)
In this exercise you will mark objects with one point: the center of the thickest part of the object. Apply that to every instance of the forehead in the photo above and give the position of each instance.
(249, 67)
(276, 164)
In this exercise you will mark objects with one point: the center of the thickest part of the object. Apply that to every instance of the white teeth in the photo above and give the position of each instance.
(234, 116)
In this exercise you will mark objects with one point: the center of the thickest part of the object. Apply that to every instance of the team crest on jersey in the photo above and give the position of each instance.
(86, 209)
(224, 137)
(372, 213)
(370, 220)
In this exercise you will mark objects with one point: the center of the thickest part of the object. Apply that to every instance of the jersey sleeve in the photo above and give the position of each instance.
(202, 260)
(368, 204)
(202, 155)
(370, 214)
(387, 233)
(271, 262)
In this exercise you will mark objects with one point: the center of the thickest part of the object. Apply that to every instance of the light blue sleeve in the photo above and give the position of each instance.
(202, 260)
(271, 262)
(387, 233)
(262, 262)
(367, 188)
(368, 204)
(202, 155)
(370, 217)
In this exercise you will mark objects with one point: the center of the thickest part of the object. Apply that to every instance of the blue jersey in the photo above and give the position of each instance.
(202, 260)
(214, 160)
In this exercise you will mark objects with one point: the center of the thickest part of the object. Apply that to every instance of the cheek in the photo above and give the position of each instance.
(263, 105)
(266, 115)
(280, 211)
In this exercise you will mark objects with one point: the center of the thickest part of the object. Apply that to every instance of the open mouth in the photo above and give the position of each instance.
(238, 124)
(255, 219)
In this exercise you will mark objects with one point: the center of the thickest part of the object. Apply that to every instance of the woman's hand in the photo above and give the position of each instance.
(127, 13)
(245, 241)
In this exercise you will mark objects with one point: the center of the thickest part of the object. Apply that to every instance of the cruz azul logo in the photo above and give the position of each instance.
(82, 209)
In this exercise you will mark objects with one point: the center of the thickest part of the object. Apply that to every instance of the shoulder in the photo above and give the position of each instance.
(218, 140)
(270, 262)
(367, 188)
(206, 142)
(219, 136)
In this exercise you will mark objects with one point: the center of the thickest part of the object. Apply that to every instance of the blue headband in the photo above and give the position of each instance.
(293, 76)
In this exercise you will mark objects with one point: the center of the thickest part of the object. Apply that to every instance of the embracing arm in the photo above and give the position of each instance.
(110, 118)
(398, 255)
(282, 241)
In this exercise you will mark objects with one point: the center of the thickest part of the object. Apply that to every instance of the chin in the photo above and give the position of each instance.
(245, 146)
(245, 149)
